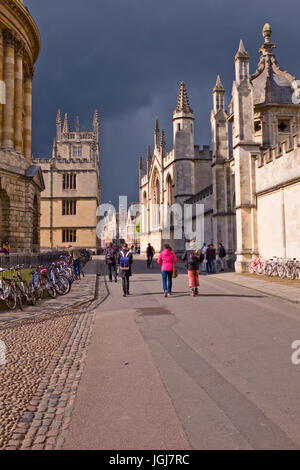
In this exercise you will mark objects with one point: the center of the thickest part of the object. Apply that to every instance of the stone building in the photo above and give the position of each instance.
(250, 190)
(21, 181)
(171, 177)
(73, 192)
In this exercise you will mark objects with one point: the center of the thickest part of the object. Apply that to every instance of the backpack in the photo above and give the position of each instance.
(193, 260)
(125, 261)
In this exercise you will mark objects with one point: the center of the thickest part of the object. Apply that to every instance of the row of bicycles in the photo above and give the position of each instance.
(19, 285)
(276, 267)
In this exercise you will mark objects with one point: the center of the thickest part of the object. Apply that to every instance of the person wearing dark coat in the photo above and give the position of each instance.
(111, 261)
(125, 271)
(222, 255)
(211, 259)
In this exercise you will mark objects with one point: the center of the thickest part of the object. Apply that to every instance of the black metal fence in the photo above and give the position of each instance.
(29, 259)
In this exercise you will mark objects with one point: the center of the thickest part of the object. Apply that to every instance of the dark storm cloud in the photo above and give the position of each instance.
(127, 58)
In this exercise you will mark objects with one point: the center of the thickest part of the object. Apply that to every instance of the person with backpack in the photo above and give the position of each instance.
(193, 258)
(111, 261)
(167, 260)
(150, 252)
(125, 260)
(222, 255)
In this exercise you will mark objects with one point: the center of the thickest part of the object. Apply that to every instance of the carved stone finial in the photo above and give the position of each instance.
(267, 32)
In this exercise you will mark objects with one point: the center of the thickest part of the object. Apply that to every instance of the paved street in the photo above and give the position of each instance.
(148, 372)
(212, 372)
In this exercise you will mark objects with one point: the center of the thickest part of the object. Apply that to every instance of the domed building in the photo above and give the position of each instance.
(21, 182)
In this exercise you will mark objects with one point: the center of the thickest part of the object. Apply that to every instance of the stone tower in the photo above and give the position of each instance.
(73, 189)
(184, 152)
(223, 215)
(244, 146)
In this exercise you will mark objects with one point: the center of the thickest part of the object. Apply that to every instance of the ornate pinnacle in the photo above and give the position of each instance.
(267, 32)
(268, 46)
(219, 85)
(149, 153)
(163, 142)
(242, 53)
(58, 117)
(66, 128)
(183, 101)
(77, 125)
(141, 162)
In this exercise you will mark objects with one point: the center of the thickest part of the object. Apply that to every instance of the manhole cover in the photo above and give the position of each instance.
(153, 311)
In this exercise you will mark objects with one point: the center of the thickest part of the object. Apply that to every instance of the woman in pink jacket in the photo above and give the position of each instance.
(166, 260)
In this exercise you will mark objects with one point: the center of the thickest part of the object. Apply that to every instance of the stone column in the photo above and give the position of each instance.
(28, 76)
(2, 98)
(9, 78)
(18, 138)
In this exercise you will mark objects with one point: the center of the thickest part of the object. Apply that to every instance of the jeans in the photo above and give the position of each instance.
(167, 278)
(76, 267)
(222, 260)
(125, 283)
(112, 271)
(149, 261)
(211, 266)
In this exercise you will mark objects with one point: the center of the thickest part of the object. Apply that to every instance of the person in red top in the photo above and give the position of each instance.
(166, 260)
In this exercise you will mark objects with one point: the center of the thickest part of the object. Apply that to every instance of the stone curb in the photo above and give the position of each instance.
(270, 294)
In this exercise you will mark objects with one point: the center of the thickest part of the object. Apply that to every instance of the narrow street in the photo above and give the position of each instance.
(212, 372)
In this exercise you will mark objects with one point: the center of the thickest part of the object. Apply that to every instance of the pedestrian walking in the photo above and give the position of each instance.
(211, 259)
(76, 260)
(204, 262)
(150, 252)
(167, 260)
(222, 255)
(111, 262)
(125, 260)
(193, 258)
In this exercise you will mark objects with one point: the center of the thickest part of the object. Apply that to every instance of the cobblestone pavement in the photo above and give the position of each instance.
(44, 361)
(82, 291)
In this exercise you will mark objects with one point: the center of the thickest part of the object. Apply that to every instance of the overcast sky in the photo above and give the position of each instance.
(127, 58)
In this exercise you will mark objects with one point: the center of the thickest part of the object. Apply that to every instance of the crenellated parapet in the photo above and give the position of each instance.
(286, 148)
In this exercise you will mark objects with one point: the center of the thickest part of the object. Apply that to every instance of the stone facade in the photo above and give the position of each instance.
(250, 189)
(21, 181)
(73, 192)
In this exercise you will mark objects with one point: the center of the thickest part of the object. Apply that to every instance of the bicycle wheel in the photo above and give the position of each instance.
(51, 291)
(11, 300)
(269, 270)
(31, 294)
(19, 301)
(251, 267)
(296, 273)
(282, 271)
(62, 285)
(259, 269)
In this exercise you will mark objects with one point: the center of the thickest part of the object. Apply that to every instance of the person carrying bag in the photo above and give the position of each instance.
(167, 260)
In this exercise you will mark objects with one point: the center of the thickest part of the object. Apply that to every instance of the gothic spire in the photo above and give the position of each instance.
(183, 101)
(77, 124)
(66, 128)
(241, 53)
(58, 117)
(96, 118)
(219, 85)
(156, 133)
(163, 143)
